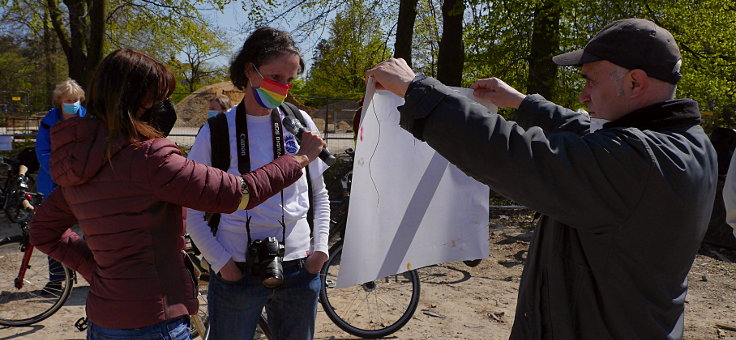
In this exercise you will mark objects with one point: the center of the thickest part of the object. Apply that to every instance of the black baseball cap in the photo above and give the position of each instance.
(633, 44)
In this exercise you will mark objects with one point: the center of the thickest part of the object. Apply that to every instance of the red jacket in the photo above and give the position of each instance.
(130, 211)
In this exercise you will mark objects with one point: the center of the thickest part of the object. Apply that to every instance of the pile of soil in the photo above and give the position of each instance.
(192, 110)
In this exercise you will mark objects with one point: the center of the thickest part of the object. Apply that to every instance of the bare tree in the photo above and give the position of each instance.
(198, 69)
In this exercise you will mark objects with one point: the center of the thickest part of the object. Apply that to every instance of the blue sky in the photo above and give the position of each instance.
(232, 20)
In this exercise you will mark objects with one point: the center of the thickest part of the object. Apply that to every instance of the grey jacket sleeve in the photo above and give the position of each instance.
(729, 194)
(537, 111)
(580, 180)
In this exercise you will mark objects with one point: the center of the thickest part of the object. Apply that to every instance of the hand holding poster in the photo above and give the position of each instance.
(409, 207)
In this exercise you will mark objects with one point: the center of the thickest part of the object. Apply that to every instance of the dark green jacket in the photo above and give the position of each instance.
(624, 208)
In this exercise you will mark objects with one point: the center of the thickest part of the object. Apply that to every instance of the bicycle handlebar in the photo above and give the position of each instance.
(27, 205)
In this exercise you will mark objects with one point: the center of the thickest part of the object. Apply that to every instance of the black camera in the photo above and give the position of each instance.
(264, 260)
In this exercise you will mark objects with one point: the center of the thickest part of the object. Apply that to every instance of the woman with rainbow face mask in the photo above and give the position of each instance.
(240, 288)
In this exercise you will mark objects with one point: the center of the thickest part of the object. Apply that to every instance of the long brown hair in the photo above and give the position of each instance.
(124, 82)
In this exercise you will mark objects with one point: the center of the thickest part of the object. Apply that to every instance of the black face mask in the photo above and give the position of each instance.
(161, 116)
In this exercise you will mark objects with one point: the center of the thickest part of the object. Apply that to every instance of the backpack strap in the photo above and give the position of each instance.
(220, 155)
(292, 111)
(219, 142)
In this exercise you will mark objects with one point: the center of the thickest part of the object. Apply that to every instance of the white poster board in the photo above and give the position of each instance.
(409, 207)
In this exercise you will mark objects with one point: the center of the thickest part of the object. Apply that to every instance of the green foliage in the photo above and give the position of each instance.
(356, 43)
(27, 72)
(352, 36)
(498, 35)
(427, 35)
(706, 32)
(173, 31)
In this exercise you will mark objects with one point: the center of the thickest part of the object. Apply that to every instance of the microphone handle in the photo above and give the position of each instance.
(325, 155)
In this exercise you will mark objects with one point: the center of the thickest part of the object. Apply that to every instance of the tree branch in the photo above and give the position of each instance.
(55, 17)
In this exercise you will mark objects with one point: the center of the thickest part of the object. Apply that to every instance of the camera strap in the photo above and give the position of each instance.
(247, 229)
(243, 151)
(241, 130)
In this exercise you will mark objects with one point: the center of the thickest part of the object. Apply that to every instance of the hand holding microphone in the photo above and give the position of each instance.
(310, 142)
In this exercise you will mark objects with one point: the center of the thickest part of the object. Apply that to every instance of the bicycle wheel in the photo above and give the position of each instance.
(200, 325)
(373, 309)
(263, 332)
(37, 298)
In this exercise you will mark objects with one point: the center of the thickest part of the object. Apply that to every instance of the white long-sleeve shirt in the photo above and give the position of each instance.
(232, 240)
(729, 194)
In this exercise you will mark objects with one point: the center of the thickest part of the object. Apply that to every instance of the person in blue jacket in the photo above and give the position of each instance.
(67, 100)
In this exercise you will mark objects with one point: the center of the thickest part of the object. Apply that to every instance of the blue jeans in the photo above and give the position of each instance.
(235, 306)
(172, 329)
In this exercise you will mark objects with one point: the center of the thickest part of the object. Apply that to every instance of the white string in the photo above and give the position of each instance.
(370, 160)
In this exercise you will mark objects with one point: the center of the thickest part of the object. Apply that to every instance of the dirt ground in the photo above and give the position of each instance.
(460, 302)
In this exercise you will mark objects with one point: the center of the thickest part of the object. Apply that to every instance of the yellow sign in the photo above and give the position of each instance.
(707, 113)
(16, 99)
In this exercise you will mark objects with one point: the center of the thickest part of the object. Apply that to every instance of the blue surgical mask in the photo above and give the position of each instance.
(212, 113)
(71, 109)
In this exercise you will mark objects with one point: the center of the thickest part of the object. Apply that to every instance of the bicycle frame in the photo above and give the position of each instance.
(197, 266)
(24, 265)
(197, 320)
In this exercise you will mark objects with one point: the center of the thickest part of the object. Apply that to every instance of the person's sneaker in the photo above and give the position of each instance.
(51, 289)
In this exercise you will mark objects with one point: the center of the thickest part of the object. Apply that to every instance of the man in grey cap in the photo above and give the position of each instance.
(624, 208)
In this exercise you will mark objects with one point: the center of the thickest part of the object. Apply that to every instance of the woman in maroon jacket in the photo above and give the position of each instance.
(125, 187)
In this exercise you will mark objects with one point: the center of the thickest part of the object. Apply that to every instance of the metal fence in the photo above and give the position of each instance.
(333, 118)
(21, 112)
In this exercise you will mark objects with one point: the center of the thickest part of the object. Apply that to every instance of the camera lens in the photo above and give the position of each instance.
(272, 282)
(273, 274)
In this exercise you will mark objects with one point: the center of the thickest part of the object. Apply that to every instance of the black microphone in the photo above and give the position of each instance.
(296, 128)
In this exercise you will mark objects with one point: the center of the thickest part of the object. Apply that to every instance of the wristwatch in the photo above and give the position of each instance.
(244, 187)
(245, 192)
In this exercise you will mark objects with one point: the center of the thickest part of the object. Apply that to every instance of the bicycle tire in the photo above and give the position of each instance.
(202, 314)
(199, 327)
(373, 309)
(34, 301)
(263, 330)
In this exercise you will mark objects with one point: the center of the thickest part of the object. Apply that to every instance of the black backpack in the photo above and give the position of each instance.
(220, 150)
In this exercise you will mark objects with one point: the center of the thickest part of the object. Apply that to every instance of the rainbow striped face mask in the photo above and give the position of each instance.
(271, 94)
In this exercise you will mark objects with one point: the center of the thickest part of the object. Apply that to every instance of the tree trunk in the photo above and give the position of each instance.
(405, 29)
(77, 56)
(95, 45)
(452, 49)
(545, 44)
(83, 43)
